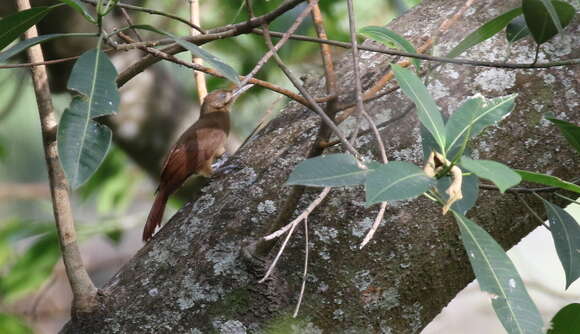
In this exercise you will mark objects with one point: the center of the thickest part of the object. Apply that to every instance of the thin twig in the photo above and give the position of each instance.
(83, 289)
(567, 198)
(375, 226)
(198, 76)
(305, 274)
(534, 213)
(129, 21)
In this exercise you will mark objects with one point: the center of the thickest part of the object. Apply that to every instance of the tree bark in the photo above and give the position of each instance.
(193, 278)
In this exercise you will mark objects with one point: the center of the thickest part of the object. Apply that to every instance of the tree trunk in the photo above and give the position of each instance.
(192, 278)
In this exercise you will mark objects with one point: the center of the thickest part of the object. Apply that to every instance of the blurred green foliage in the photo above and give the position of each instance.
(10, 324)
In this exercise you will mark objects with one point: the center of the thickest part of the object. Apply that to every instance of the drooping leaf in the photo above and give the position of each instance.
(31, 269)
(501, 175)
(485, 32)
(12, 26)
(540, 16)
(331, 170)
(566, 321)
(516, 29)
(80, 8)
(214, 62)
(547, 180)
(428, 143)
(570, 131)
(25, 44)
(566, 234)
(427, 110)
(13, 325)
(388, 37)
(472, 117)
(469, 189)
(93, 76)
(82, 142)
(498, 276)
(396, 180)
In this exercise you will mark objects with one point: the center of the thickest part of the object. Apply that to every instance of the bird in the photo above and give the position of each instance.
(194, 152)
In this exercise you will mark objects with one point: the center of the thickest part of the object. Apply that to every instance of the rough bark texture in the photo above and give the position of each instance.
(192, 279)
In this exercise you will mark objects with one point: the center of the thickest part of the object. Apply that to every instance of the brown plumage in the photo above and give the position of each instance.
(193, 153)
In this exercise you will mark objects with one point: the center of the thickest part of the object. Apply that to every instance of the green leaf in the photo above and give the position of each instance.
(12, 26)
(388, 37)
(427, 110)
(566, 321)
(547, 180)
(31, 269)
(81, 8)
(485, 32)
(13, 325)
(82, 142)
(331, 170)
(516, 29)
(540, 16)
(25, 44)
(472, 117)
(214, 62)
(570, 131)
(469, 189)
(396, 180)
(93, 75)
(498, 173)
(498, 276)
(566, 234)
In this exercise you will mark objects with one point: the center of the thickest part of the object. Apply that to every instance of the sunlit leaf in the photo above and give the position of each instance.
(566, 321)
(427, 110)
(516, 29)
(566, 234)
(11, 324)
(486, 31)
(331, 170)
(570, 131)
(82, 142)
(12, 26)
(472, 117)
(214, 62)
(25, 44)
(396, 180)
(540, 16)
(31, 269)
(388, 37)
(81, 8)
(469, 190)
(501, 175)
(547, 180)
(497, 276)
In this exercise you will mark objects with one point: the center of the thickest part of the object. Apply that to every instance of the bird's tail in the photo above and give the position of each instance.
(155, 215)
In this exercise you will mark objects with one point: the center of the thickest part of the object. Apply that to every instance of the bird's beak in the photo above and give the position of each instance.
(239, 91)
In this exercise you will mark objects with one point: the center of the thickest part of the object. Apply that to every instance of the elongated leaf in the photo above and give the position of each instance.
(427, 110)
(388, 37)
(473, 116)
(331, 170)
(31, 270)
(485, 32)
(498, 173)
(395, 181)
(498, 276)
(469, 189)
(516, 29)
(13, 325)
(570, 131)
(81, 8)
(566, 234)
(566, 321)
(547, 180)
(12, 26)
(25, 44)
(94, 75)
(540, 20)
(82, 142)
(214, 62)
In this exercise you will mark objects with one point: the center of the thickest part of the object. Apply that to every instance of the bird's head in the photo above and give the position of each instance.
(221, 99)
